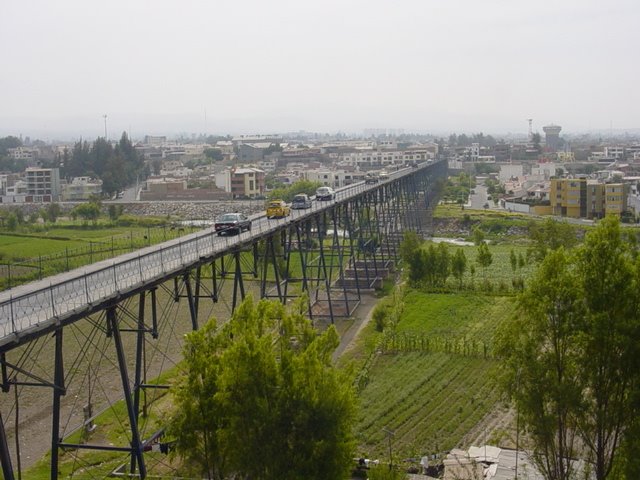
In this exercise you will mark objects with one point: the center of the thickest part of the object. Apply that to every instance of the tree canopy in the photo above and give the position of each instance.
(301, 186)
(550, 235)
(572, 353)
(117, 166)
(261, 399)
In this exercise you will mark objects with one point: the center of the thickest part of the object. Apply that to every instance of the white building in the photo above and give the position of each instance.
(225, 146)
(333, 178)
(474, 152)
(23, 153)
(241, 182)
(614, 152)
(16, 193)
(81, 188)
(178, 172)
(268, 164)
(544, 171)
(507, 172)
(382, 158)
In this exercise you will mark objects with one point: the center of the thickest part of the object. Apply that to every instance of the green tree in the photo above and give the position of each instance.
(12, 222)
(265, 383)
(459, 265)
(52, 212)
(116, 166)
(611, 340)
(418, 267)
(9, 142)
(301, 186)
(535, 139)
(484, 257)
(87, 211)
(478, 236)
(521, 260)
(114, 212)
(541, 350)
(584, 310)
(214, 154)
(514, 260)
(550, 235)
(442, 263)
(411, 243)
(19, 215)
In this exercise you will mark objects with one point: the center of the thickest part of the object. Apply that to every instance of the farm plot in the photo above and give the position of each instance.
(432, 400)
(456, 315)
(429, 401)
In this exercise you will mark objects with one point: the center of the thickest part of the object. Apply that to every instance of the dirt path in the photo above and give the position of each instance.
(362, 316)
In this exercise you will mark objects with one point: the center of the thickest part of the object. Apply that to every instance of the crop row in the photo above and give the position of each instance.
(428, 400)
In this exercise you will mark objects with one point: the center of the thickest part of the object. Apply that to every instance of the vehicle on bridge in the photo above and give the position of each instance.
(278, 209)
(383, 175)
(232, 223)
(301, 201)
(325, 193)
(371, 178)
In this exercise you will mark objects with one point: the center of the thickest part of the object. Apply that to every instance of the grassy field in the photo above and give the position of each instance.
(58, 239)
(475, 316)
(500, 268)
(29, 256)
(454, 211)
(13, 247)
(431, 400)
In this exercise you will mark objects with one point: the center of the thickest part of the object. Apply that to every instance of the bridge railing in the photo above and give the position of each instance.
(36, 305)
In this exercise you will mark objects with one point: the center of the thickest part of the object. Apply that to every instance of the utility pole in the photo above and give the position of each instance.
(517, 424)
(390, 434)
(105, 126)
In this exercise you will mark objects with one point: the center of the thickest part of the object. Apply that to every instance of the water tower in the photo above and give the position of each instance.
(552, 136)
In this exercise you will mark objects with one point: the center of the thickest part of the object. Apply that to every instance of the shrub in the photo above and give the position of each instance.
(380, 314)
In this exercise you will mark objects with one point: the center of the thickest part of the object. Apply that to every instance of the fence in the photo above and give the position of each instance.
(395, 342)
(16, 273)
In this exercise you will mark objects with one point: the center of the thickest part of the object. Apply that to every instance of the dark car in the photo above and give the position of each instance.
(371, 178)
(325, 193)
(232, 223)
(301, 200)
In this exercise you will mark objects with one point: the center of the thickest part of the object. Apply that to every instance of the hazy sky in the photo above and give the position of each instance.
(262, 66)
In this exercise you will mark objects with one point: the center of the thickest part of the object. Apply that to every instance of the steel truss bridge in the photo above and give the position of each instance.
(93, 344)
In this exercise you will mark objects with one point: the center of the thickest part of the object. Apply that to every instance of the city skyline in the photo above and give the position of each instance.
(236, 67)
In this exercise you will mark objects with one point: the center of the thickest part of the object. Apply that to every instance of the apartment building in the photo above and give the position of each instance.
(615, 198)
(382, 158)
(616, 152)
(242, 182)
(155, 140)
(43, 184)
(252, 152)
(569, 197)
(585, 198)
(23, 153)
